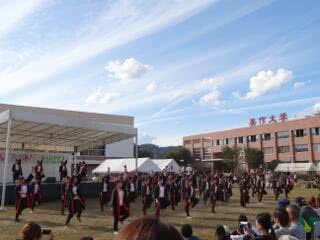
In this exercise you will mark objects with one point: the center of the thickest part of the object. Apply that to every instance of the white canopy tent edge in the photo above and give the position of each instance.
(34, 128)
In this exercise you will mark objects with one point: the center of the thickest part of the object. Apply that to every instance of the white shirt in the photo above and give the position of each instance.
(148, 190)
(132, 187)
(161, 193)
(74, 190)
(24, 191)
(36, 188)
(17, 167)
(105, 187)
(121, 196)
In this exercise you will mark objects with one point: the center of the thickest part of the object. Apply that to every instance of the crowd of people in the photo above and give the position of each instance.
(168, 189)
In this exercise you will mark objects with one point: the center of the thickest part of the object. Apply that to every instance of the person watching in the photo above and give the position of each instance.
(187, 232)
(296, 228)
(281, 219)
(221, 233)
(148, 229)
(33, 231)
(264, 226)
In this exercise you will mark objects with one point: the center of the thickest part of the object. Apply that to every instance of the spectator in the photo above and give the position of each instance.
(296, 229)
(187, 233)
(87, 238)
(308, 216)
(281, 219)
(283, 203)
(32, 231)
(221, 233)
(264, 226)
(242, 219)
(148, 229)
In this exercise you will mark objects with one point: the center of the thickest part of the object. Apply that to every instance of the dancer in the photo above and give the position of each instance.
(213, 194)
(161, 197)
(132, 190)
(16, 171)
(244, 190)
(261, 185)
(36, 194)
(104, 195)
(75, 201)
(63, 171)
(64, 188)
(146, 196)
(172, 192)
(189, 198)
(39, 171)
(23, 198)
(120, 206)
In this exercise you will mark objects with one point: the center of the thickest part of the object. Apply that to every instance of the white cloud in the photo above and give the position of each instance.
(298, 85)
(211, 98)
(151, 87)
(126, 70)
(100, 97)
(145, 138)
(14, 11)
(119, 23)
(316, 108)
(266, 81)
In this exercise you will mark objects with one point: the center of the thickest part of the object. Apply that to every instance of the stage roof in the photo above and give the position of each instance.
(50, 129)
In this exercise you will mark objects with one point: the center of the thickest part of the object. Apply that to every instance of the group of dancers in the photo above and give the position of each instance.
(161, 190)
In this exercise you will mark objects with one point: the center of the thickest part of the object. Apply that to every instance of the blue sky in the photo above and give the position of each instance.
(179, 67)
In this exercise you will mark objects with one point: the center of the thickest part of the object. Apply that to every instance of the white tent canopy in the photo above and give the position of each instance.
(30, 128)
(296, 167)
(167, 164)
(118, 166)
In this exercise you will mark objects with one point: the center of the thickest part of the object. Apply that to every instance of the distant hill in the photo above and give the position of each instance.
(156, 151)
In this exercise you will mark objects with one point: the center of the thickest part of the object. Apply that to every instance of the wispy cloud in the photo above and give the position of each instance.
(121, 22)
(14, 11)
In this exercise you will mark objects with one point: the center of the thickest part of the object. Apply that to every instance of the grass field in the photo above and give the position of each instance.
(99, 225)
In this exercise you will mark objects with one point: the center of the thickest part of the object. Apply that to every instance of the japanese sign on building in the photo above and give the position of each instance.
(268, 120)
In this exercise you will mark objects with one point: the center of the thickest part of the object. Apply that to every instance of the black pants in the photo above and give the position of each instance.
(123, 216)
(74, 208)
(187, 207)
(104, 199)
(146, 203)
(35, 198)
(22, 203)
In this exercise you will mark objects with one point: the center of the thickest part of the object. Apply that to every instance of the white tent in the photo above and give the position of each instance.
(296, 167)
(118, 166)
(167, 164)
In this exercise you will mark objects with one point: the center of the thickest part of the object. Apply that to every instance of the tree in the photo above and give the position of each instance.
(143, 153)
(179, 154)
(272, 165)
(254, 157)
(231, 156)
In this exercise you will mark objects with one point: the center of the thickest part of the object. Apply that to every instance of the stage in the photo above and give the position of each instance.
(52, 192)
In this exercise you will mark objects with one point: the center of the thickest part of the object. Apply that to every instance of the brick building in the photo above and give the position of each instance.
(295, 140)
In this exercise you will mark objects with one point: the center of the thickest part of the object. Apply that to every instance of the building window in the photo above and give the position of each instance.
(283, 134)
(231, 141)
(268, 150)
(240, 139)
(300, 133)
(225, 141)
(217, 142)
(283, 149)
(316, 147)
(301, 148)
(253, 138)
(315, 131)
(267, 137)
